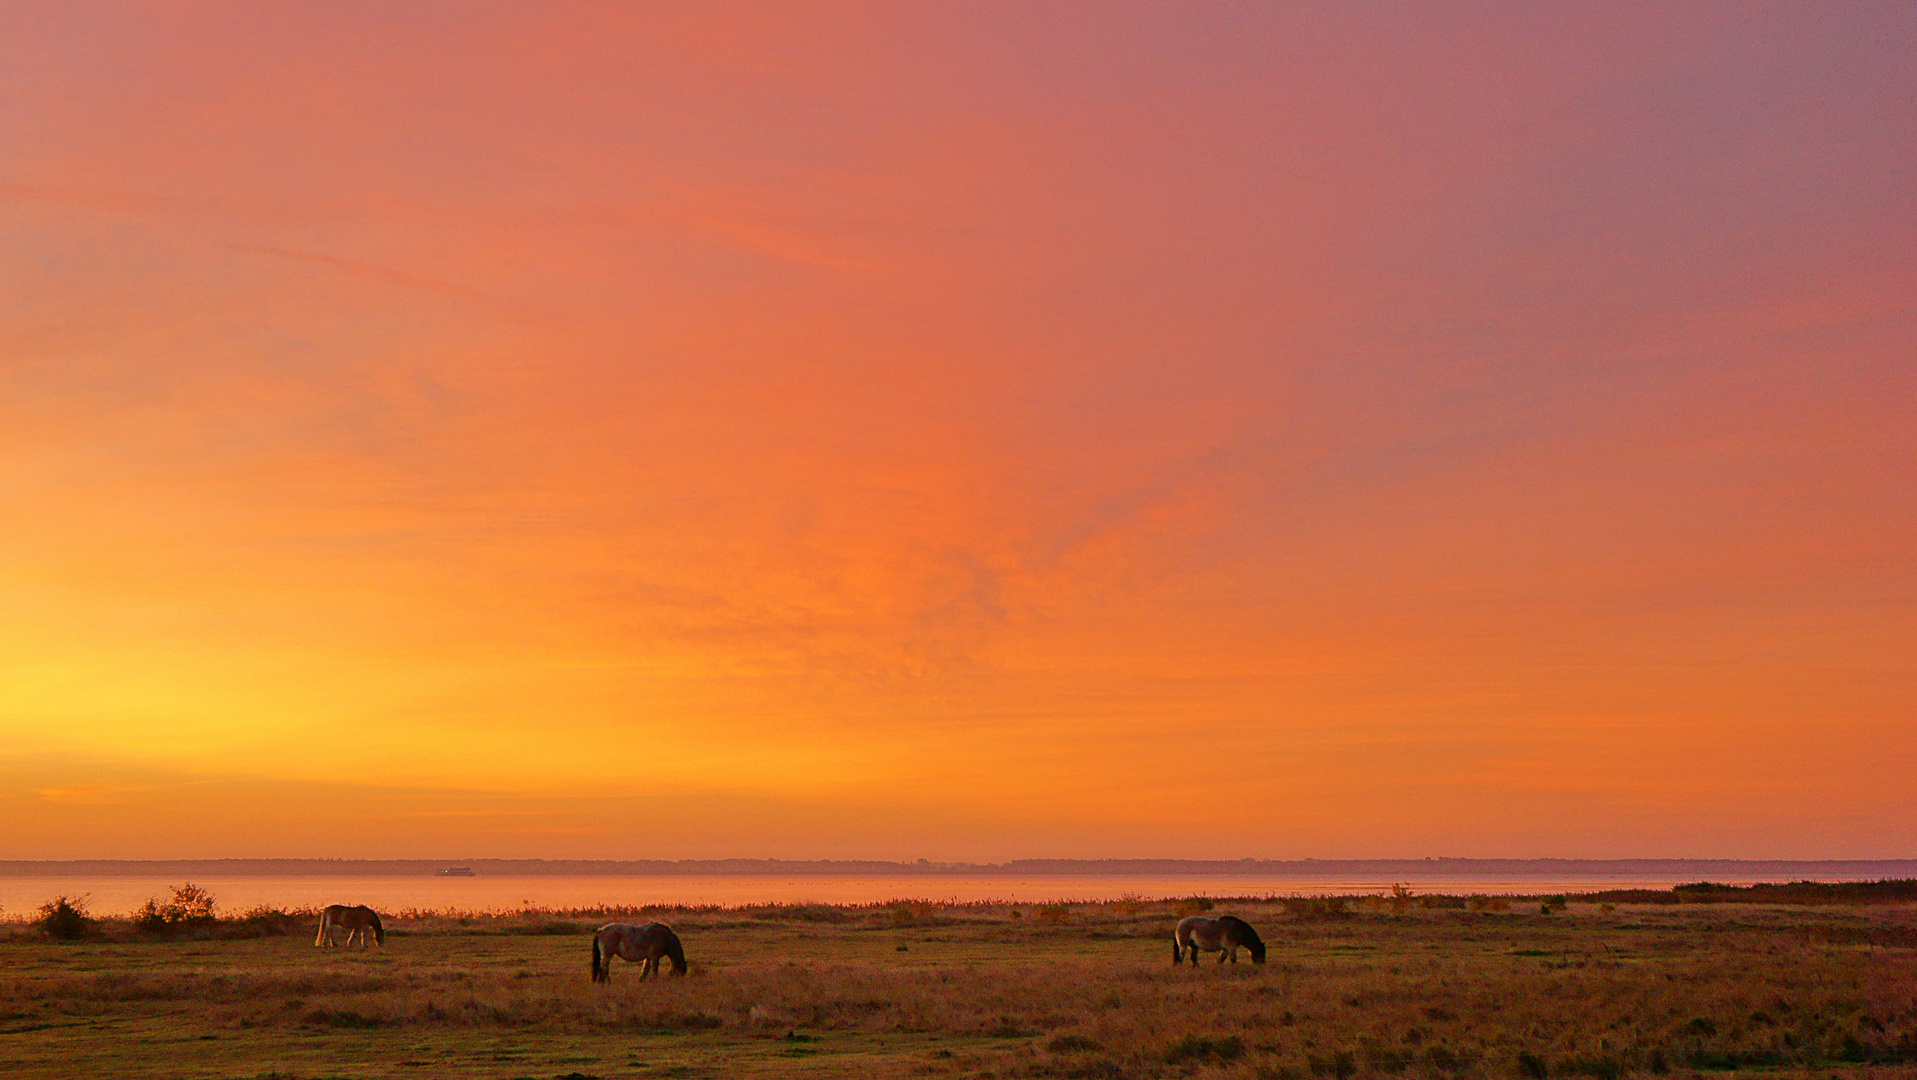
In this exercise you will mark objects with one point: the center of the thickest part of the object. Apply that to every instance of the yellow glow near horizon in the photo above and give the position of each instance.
(877, 433)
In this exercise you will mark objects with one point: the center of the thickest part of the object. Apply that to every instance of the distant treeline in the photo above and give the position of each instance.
(1362, 869)
(1902, 890)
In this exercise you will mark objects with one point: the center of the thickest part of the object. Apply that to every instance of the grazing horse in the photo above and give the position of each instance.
(1222, 935)
(644, 944)
(354, 920)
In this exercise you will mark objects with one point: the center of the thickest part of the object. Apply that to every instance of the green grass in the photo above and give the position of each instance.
(1361, 994)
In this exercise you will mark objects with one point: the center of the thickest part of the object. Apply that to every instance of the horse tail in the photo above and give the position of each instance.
(676, 952)
(595, 958)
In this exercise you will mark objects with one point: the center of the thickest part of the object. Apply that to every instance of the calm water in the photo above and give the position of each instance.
(19, 896)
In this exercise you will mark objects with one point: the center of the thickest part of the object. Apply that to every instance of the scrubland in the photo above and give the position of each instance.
(1363, 991)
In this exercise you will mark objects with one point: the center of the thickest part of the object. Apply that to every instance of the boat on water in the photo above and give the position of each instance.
(456, 871)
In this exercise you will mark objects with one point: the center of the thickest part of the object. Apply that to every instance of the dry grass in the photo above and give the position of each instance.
(1368, 994)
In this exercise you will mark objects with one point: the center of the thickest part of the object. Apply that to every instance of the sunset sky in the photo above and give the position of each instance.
(961, 431)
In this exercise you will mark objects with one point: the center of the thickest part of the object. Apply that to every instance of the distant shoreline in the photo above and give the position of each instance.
(1409, 869)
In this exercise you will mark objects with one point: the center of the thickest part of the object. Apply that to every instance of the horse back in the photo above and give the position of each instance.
(1200, 925)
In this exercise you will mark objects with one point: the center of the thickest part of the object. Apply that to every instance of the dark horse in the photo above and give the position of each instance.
(356, 921)
(646, 945)
(1223, 935)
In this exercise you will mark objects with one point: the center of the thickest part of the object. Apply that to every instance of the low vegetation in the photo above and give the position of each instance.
(1395, 987)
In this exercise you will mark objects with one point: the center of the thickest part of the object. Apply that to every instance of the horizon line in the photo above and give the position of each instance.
(1309, 866)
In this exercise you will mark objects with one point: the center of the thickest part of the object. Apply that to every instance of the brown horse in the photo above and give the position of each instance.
(1223, 935)
(645, 945)
(354, 920)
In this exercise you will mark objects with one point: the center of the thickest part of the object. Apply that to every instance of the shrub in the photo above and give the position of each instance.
(908, 912)
(65, 918)
(265, 921)
(150, 919)
(1317, 907)
(1604, 1068)
(1195, 905)
(191, 903)
(190, 906)
(552, 928)
(344, 1018)
(1199, 1048)
(1340, 1065)
(1009, 1027)
(1054, 913)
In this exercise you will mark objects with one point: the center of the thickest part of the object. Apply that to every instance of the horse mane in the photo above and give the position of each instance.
(1243, 927)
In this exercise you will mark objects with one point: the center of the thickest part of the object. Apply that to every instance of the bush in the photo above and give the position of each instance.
(264, 921)
(1010, 1027)
(1198, 1048)
(65, 918)
(191, 906)
(909, 912)
(1401, 897)
(192, 903)
(1195, 905)
(151, 918)
(1054, 913)
(1341, 1065)
(1317, 907)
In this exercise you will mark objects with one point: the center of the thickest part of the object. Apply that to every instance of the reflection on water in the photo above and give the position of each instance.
(119, 895)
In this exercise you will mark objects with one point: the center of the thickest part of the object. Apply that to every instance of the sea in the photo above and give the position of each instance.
(117, 895)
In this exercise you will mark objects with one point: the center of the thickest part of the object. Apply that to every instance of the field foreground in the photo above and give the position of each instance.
(991, 990)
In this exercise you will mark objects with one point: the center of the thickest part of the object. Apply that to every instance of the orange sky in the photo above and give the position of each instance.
(968, 432)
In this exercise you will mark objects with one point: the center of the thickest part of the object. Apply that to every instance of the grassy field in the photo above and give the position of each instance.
(1373, 992)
